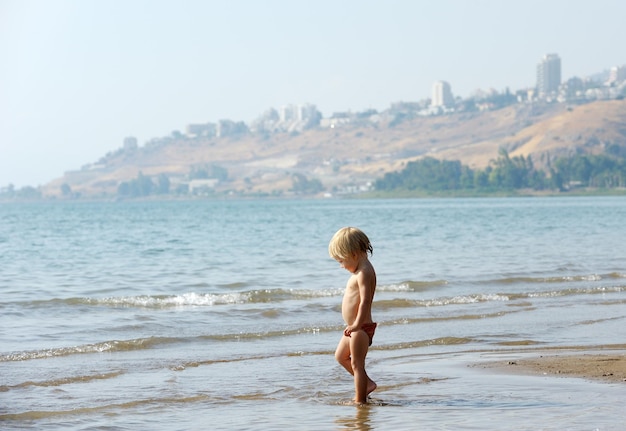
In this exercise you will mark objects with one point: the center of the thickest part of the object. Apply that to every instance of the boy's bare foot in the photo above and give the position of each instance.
(371, 386)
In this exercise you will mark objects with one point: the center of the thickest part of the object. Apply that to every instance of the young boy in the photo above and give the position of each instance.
(350, 246)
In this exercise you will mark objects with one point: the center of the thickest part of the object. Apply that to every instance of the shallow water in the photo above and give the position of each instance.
(188, 315)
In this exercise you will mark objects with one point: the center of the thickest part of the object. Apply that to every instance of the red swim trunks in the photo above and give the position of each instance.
(369, 329)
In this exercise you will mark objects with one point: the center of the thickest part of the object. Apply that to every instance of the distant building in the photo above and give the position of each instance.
(298, 117)
(230, 128)
(573, 88)
(548, 75)
(297, 112)
(287, 113)
(202, 186)
(130, 143)
(306, 112)
(617, 74)
(442, 95)
(205, 130)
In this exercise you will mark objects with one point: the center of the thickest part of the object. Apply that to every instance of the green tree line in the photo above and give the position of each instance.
(510, 173)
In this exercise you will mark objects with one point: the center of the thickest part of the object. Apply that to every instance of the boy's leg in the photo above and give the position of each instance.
(363, 385)
(343, 356)
(342, 353)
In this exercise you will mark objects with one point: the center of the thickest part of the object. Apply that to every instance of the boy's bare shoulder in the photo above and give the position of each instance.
(369, 268)
(367, 275)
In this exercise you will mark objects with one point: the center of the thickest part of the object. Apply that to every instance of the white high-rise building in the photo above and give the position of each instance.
(287, 113)
(442, 95)
(548, 75)
(617, 74)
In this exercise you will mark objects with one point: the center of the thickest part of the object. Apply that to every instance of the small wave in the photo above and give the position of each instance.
(64, 381)
(495, 297)
(193, 299)
(519, 343)
(277, 295)
(147, 301)
(442, 341)
(578, 291)
(47, 414)
(555, 279)
(412, 320)
(236, 285)
(412, 286)
(271, 334)
(167, 301)
(595, 321)
(437, 302)
(106, 346)
(152, 342)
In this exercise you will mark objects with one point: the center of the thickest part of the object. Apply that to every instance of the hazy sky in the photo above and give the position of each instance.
(77, 76)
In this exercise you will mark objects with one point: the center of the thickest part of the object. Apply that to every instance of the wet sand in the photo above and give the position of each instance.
(593, 365)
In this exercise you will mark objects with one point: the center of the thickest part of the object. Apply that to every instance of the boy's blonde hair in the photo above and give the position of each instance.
(348, 241)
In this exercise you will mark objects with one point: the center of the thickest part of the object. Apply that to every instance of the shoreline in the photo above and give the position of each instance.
(592, 364)
(617, 192)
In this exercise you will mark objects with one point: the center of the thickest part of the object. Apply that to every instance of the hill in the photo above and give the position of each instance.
(351, 155)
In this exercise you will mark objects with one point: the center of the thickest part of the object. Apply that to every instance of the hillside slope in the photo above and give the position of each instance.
(588, 128)
(353, 154)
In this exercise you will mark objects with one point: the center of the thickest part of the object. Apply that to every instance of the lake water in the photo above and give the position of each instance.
(198, 315)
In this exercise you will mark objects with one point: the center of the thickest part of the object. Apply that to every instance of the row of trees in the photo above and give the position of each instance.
(144, 186)
(602, 171)
(26, 193)
(510, 173)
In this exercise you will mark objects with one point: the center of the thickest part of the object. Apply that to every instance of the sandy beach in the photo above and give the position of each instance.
(595, 364)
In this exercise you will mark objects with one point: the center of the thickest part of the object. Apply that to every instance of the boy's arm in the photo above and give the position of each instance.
(366, 290)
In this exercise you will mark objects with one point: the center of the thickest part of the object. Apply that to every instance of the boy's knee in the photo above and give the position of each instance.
(341, 357)
(357, 365)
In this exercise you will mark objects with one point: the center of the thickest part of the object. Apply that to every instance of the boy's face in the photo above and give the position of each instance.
(349, 263)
